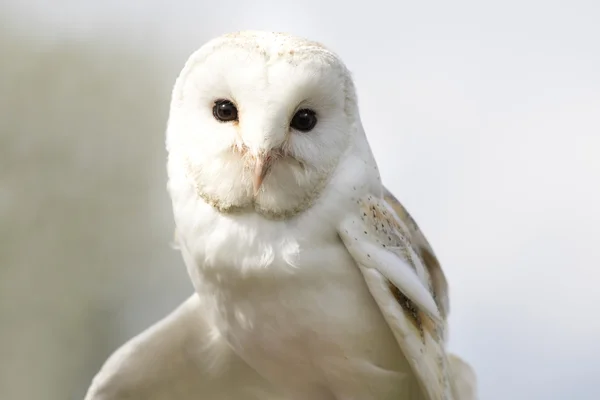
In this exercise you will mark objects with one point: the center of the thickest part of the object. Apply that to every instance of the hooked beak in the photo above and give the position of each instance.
(261, 167)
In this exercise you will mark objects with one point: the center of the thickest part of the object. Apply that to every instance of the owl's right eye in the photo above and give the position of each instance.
(225, 111)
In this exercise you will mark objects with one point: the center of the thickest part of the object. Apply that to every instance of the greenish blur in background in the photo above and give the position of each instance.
(83, 208)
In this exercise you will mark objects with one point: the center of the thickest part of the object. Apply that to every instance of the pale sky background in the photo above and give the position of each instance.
(485, 120)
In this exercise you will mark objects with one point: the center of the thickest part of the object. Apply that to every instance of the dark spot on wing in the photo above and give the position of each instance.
(410, 309)
(421, 322)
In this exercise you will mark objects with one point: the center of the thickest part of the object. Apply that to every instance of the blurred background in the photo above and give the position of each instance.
(485, 119)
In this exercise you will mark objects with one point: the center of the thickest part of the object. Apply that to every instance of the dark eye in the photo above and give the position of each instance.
(304, 120)
(225, 111)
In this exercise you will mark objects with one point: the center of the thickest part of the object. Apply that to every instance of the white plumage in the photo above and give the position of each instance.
(312, 281)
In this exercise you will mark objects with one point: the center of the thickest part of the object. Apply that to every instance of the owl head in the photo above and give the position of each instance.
(259, 121)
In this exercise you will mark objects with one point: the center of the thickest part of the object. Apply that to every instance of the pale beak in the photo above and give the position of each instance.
(261, 166)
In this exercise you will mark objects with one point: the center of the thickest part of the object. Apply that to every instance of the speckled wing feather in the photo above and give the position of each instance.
(388, 248)
(424, 250)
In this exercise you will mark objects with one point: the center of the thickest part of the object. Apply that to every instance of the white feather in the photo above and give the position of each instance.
(464, 377)
(425, 354)
(181, 357)
(390, 265)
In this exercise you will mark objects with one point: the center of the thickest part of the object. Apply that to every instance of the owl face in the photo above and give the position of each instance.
(259, 121)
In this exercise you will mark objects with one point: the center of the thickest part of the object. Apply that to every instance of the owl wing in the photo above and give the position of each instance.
(422, 247)
(178, 358)
(409, 286)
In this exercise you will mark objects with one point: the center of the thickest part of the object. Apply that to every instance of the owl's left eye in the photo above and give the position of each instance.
(304, 120)
(225, 111)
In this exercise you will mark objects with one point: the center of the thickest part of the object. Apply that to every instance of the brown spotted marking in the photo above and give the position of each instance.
(388, 233)
(409, 308)
(418, 318)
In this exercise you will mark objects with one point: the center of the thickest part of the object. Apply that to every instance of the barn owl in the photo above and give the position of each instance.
(311, 280)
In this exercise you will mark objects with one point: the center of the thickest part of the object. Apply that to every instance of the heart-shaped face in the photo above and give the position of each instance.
(259, 121)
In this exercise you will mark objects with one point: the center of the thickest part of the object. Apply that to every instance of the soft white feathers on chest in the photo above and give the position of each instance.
(244, 246)
(288, 294)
